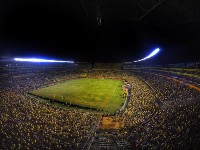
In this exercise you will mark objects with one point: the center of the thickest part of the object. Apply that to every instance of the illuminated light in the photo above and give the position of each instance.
(40, 60)
(150, 55)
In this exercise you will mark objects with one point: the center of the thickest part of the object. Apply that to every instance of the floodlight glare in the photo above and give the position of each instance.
(40, 60)
(150, 55)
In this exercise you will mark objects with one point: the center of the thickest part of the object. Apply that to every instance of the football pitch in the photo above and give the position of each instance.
(100, 94)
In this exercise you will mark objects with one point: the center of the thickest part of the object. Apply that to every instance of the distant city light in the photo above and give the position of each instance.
(40, 60)
(150, 55)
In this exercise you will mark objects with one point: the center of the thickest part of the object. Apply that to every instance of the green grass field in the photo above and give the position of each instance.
(101, 94)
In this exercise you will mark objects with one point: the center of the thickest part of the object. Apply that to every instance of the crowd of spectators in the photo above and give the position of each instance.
(141, 105)
(107, 66)
(169, 91)
(174, 126)
(115, 74)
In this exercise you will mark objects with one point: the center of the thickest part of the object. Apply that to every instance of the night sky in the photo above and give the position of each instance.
(62, 30)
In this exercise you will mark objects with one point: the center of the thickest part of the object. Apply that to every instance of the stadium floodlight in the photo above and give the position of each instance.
(150, 55)
(40, 60)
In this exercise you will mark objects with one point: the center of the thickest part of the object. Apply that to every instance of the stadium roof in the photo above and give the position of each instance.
(101, 30)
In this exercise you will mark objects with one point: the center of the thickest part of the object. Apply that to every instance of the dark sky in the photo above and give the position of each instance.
(62, 30)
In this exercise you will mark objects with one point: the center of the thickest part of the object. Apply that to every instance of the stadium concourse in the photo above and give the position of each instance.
(163, 111)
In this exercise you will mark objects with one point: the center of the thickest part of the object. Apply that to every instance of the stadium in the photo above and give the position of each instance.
(110, 93)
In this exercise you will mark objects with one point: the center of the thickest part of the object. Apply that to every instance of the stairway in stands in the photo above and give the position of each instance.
(108, 140)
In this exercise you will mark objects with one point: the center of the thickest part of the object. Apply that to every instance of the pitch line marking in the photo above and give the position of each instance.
(91, 97)
(111, 96)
